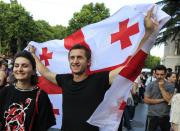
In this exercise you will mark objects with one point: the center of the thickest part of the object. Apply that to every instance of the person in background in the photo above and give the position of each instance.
(171, 77)
(3, 78)
(3, 58)
(151, 78)
(143, 78)
(3, 65)
(157, 95)
(175, 107)
(129, 111)
(140, 80)
(169, 70)
(23, 106)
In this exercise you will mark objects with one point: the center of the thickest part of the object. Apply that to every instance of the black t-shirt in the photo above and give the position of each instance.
(80, 99)
(17, 108)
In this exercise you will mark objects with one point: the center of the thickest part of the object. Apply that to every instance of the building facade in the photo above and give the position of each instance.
(171, 57)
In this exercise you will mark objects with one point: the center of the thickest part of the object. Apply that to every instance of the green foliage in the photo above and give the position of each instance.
(59, 31)
(172, 29)
(89, 14)
(152, 61)
(44, 31)
(17, 26)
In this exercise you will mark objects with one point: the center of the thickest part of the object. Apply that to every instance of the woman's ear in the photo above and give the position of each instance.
(34, 73)
(89, 63)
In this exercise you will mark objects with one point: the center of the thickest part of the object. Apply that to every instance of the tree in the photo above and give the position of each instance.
(172, 29)
(17, 24)
(17, 27)
(59, 31)
(3, 7)
(44, 31)
(89, 14)
(152, 61)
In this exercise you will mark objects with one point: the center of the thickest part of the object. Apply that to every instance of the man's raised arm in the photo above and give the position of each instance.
(151, 25)
(44, 71)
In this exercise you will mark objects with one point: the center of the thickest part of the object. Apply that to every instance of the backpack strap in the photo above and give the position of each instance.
(37, 98)
(35, 110)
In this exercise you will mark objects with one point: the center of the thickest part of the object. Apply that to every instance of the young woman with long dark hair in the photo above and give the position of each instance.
(23, 106)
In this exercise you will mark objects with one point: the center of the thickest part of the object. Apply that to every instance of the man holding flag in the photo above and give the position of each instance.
(84, 91)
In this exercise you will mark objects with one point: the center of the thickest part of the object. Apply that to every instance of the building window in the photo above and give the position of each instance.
(177, 48)
(177, 68)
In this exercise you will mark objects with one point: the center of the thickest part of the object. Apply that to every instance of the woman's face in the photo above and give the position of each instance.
(172, 78)
(22, 69)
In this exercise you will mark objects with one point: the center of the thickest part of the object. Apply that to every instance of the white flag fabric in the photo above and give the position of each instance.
(112, 42)
(109, 113)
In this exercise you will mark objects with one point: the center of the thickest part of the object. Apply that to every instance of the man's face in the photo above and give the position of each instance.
(78, 61)
(160, 74)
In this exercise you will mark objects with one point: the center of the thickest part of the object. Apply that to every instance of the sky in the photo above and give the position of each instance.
(59, 12)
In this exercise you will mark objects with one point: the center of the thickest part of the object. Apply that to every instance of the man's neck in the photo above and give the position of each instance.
(81, 77)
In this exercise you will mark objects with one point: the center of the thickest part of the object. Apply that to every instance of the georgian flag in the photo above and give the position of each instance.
(112, 42)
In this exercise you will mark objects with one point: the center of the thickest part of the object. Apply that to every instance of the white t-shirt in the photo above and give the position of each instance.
(175, 109)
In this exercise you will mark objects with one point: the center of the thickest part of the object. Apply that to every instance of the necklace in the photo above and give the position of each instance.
(28, 89)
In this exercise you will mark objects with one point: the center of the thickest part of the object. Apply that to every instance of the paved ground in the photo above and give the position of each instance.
(139, 121)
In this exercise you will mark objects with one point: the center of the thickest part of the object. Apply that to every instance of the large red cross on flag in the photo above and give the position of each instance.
(124, 33)
(112, 42)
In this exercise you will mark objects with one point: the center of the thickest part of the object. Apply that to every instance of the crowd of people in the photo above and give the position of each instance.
(160, 91)
(145, 83)
(159, 95)
(23, 106)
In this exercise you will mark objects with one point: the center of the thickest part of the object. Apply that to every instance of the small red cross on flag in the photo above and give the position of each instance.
(56, 111)
(122, 105)
(45, 56)
(124, 33)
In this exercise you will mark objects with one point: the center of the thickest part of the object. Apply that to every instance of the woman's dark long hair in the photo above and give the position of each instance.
(177, 84)
(27, 55)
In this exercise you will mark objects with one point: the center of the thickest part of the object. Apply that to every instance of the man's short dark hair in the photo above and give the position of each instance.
(160, 67)
(83, 47)
(169, 70)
